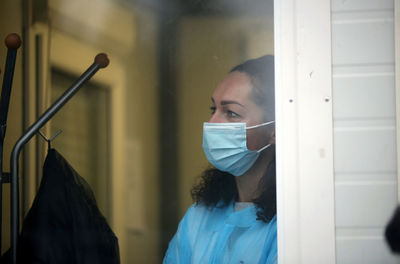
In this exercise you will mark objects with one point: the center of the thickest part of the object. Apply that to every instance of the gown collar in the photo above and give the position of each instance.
(243, 218)
(246, 217)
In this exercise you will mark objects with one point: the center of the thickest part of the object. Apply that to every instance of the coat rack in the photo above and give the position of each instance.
(13, 42)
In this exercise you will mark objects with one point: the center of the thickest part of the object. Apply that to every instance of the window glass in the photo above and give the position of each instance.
(135, 132)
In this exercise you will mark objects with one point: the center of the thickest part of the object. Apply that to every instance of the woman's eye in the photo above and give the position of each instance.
(212, 108)
(232, 114)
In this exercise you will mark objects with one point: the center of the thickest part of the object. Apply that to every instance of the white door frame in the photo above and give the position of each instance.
(397, 84)
(305, 175)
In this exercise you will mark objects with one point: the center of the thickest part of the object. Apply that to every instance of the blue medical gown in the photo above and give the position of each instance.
(221, 235)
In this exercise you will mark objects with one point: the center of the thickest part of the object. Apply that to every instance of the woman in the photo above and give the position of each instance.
(233, 219)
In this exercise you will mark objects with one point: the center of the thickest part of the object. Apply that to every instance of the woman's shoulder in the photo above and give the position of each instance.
(200, 209)
(199, 214)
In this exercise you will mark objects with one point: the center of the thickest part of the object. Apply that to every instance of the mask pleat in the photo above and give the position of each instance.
(225, 146)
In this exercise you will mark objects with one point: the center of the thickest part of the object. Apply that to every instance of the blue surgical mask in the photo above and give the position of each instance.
(225, 146)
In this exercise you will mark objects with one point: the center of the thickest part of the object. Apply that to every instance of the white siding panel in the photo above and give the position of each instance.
(365, 149)
(364, 204)
(366, 176)
(363, 250)
(362, 42)
(358, 5)
(364, 113)
(364, 97)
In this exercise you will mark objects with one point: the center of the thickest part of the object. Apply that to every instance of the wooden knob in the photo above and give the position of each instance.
(102, 60)
(13, 41)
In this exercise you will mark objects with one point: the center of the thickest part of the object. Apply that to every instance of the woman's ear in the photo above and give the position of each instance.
(272, 137)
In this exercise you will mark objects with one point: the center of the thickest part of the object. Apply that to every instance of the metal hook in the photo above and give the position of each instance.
(51, 139)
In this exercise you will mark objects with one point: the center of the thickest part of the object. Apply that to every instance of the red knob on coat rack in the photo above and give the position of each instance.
(13, 41)
(102, 60)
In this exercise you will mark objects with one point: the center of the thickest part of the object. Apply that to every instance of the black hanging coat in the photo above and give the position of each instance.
(64, 225)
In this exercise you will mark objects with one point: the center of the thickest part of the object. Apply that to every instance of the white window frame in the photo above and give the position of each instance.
(397, 84)
(305, 175)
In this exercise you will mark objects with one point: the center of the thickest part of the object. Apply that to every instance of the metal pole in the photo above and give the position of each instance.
(101, 61)
(13, 42)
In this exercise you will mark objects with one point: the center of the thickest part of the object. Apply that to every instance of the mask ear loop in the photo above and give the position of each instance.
(260, 125)
(263, 148)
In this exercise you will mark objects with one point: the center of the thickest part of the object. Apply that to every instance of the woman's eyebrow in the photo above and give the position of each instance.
(230, 102)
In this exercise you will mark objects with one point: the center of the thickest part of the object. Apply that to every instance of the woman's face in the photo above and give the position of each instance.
(231, 102)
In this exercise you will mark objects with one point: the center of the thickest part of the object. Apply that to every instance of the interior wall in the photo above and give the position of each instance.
(209, 46)
(75, 40)
(10, 22)
(129, 38)
(142, 142)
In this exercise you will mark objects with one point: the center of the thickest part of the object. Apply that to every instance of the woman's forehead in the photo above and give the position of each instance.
(236, 86)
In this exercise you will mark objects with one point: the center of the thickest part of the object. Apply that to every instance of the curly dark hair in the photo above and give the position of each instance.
(218, 188)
